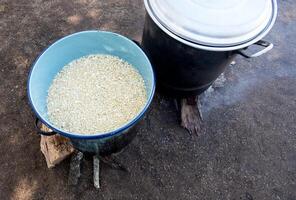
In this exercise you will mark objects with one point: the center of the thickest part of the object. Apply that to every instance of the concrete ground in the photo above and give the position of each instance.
(248, 148)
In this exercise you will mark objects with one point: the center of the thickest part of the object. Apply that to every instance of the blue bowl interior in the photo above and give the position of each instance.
(74, 47)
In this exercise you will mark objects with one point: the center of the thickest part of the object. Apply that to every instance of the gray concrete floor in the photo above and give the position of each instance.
(248, 148)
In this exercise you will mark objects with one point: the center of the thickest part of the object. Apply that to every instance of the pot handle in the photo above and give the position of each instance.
(268, 46)
(39, 131)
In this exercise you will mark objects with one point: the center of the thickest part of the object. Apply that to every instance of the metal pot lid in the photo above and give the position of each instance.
(214, 22)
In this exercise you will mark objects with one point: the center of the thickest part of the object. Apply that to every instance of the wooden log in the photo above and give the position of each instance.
(55, 148)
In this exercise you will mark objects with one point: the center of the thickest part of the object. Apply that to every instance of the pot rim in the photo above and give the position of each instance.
(243, 45)
(98, 135)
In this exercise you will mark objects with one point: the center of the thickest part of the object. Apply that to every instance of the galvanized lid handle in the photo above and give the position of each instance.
(268, 46)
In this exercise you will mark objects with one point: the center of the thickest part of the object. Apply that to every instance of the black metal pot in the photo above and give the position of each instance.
(104, 147)
(88, 42)
(190, 43)
(183, 70)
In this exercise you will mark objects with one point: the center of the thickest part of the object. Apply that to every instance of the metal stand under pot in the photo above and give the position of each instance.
(101, 151)
(75, 167)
